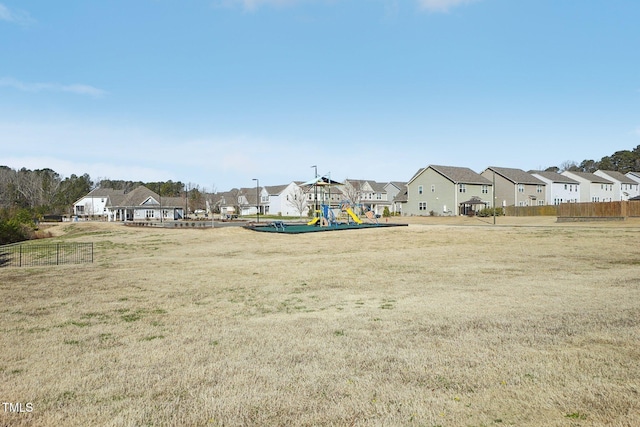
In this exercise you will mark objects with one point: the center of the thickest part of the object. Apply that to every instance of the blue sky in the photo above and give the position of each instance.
(217, 92)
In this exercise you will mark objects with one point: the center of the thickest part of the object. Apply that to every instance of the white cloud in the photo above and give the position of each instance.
(442, 5)
(19, 17)
(78, 89)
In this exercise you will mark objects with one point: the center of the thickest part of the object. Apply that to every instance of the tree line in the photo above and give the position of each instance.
(622, 161)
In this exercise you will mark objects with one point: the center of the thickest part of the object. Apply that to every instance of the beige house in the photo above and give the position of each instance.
(515, 187)
(445, 190)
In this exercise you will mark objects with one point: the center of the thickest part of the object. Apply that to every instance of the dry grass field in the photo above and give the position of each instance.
(447, 322)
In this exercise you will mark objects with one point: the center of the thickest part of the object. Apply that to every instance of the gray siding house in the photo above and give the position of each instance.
(515, 187)
(443, 190)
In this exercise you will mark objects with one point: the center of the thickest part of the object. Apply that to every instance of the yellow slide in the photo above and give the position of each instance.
(314, 220)
(353, 216)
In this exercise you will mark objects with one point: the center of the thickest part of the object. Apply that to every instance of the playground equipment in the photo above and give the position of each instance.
(353, 216)
(325, 217)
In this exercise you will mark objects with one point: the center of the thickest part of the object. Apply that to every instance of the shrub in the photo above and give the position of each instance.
(489, 212)
(386, 213)
(18, 227)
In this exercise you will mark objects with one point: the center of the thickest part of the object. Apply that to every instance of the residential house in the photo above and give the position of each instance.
(593, 188)
(624, 188)
(94, 204)
(444, 190)
(558, 188)
(635, 176)
(371, 195)
(515, 187)
(142, 204)
(286, 200)
(393, 189)
(243, 201)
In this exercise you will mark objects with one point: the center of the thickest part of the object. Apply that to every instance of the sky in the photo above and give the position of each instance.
(219, 92)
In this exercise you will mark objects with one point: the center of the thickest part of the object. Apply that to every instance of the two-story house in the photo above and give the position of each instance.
(372, 195)
(287, 200)
(558, 188)
(624, 188)
(515, 187)
(94, 204)
(593, 188)
(393, 189)
(443, 190)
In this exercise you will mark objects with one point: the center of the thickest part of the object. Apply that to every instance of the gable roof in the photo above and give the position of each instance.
(140, 195)
(400, 185)
(555, 177)
(275, 189)
(460, 175)
(415, 175)
(586, 176)
(516, 176)
(102, 193)
(402, 196)
(618, 176)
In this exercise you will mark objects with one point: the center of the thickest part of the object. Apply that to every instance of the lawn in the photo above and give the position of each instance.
(446, 322)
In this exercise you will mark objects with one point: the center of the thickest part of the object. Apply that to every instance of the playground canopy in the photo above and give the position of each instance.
(321, 180)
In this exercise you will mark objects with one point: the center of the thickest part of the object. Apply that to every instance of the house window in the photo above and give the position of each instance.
(422, 206)
(379, 196)
(420, 189)
(540, 202)
(433, 188)
(520, 188)
(565, 187)
(149, 214)
(539, 189)
(462, 188)
(485, 189)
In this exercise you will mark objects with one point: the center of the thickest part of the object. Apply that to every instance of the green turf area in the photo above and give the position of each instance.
(297, 228)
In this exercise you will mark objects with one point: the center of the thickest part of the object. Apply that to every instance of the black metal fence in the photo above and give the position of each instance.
(35, 254)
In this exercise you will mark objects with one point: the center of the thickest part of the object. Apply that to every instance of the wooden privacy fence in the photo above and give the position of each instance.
(27, 255)
(605, 210)
(580, 211)
(551, 210)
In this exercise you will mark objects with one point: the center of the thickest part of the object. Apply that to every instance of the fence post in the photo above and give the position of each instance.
(58, 254)
(20, 262)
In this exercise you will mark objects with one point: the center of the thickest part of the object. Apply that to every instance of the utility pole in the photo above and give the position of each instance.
(257, 198)
(493, 187)
(315, 190)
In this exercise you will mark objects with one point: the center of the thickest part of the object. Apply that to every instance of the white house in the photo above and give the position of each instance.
(95, 203)
(593, 188)
(624, 188)
(558, 188)
(286, 200)
(242, 201)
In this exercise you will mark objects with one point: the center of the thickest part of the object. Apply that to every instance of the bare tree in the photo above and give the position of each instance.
(352, 190)
(569, 165)
(298, 200)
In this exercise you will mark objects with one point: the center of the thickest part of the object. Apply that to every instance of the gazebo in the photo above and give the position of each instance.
(469, 207)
